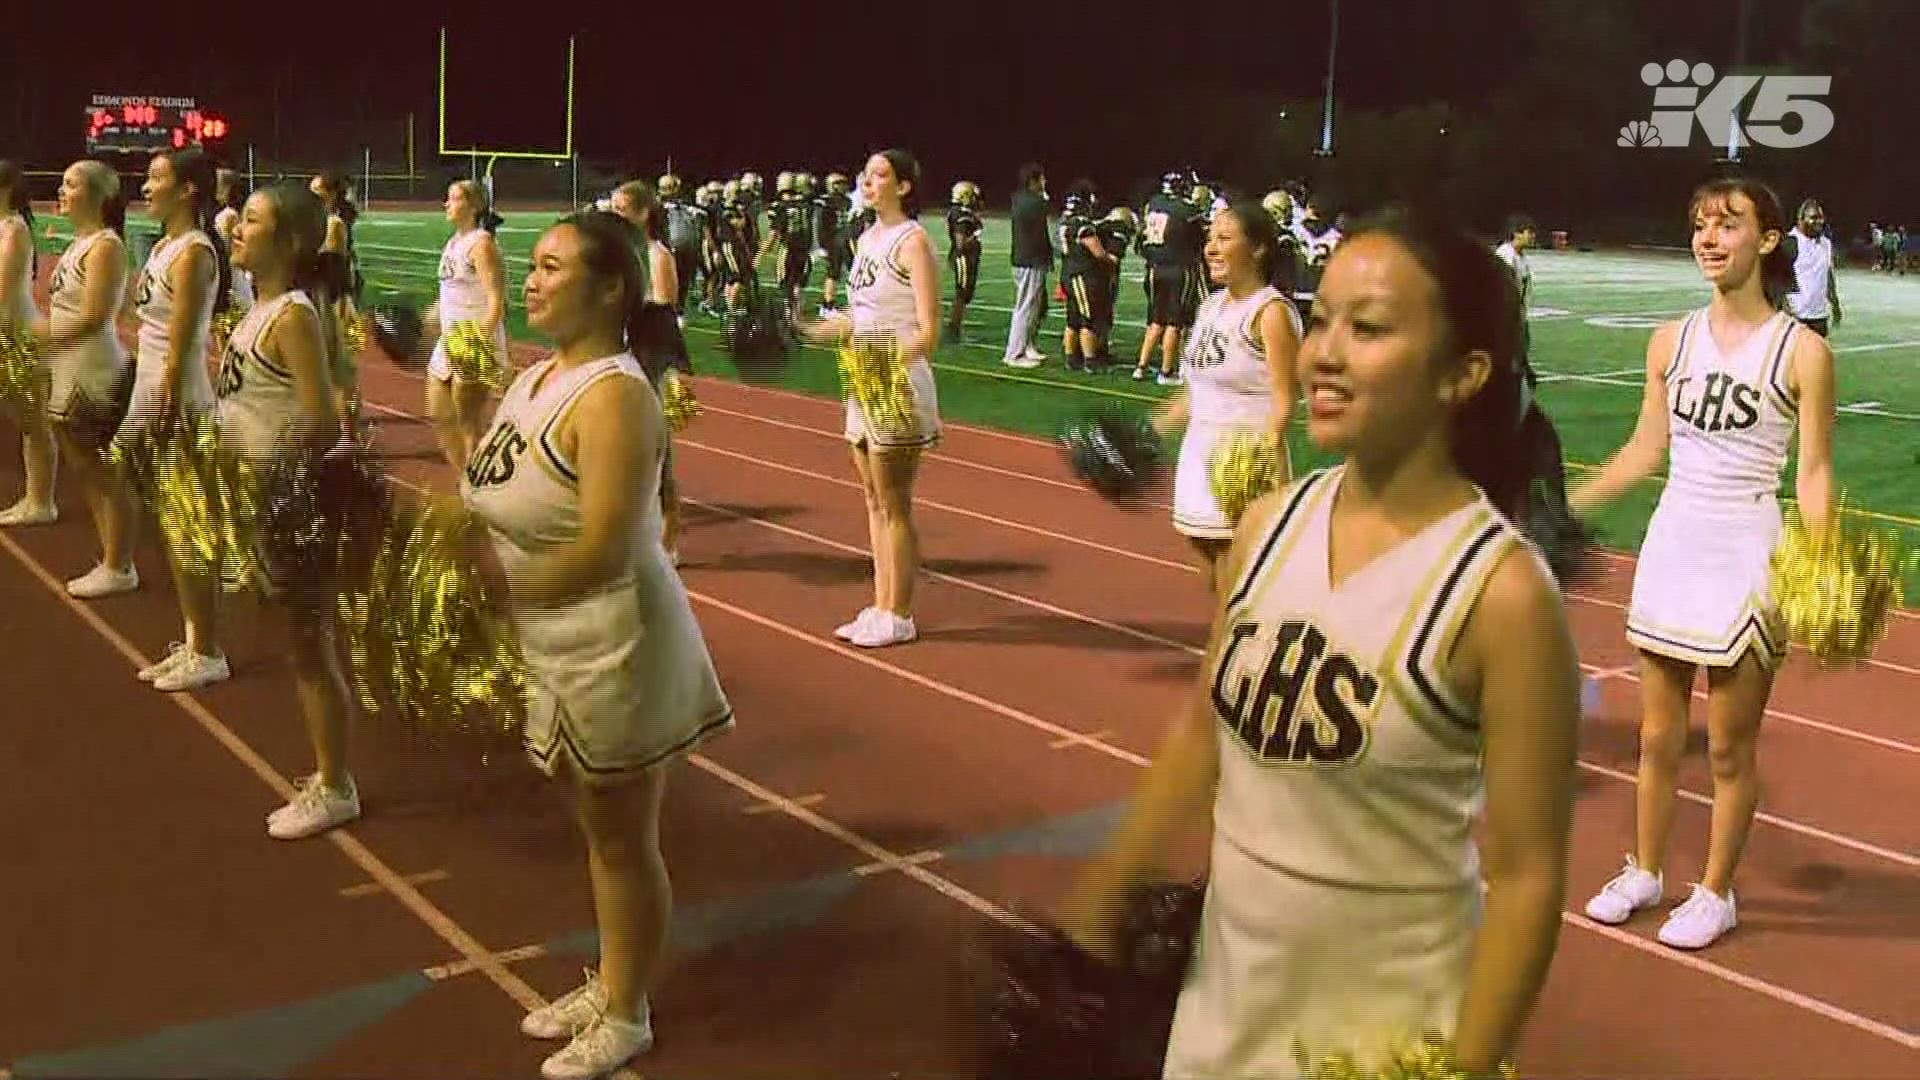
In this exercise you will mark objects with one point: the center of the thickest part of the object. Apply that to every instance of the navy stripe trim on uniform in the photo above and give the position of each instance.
(1679, 347)
(1252, 571)
(1777, 368)
(1435, 609)
(547, 447)
(1754, 625)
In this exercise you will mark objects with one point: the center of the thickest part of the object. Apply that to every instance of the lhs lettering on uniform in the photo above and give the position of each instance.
(1716, 402)
(1209, 349)
(866, 271)
(1289, 698)
(493, 461)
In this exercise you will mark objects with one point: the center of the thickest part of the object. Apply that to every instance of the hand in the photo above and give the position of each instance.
(833, 330)
(164, 404)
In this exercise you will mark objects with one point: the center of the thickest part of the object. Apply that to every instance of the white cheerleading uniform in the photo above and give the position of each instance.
(1701, 591)
(1344, 892)
(155, 300)
(94, 371)
(257, 398)
(22, 313)
(1813, 275)
(620, 679)
(241, 292)
(1228, 392)
(880, 299)
(463, 298)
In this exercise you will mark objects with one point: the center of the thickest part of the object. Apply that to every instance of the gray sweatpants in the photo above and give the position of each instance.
(1030, 298)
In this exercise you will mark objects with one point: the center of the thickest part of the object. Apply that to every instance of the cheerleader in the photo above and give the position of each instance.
(17, 318)
(621, 682)
(331, 187)
(1728, 388)
(1239, 364)
(91, 373)
(231, 197)
(182, 287)
(1361, 687)
(893, 295)
(662, 345)
(275, 398)
(473, 288)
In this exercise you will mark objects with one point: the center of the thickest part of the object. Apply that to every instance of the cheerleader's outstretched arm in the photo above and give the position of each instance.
(1645, 450)
(1812, 383)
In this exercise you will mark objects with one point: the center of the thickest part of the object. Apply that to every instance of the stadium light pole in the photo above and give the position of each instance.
(1326, 117)
(1739, 61)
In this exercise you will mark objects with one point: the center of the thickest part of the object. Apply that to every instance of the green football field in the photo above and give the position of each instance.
(1592, 317)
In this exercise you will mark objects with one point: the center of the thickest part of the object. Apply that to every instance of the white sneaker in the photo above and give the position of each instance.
(1175, 379)
(191, 672)
(600, 1047)
(1034, 354)
(1700, 920)
(849, 631)
(1632, 889)
(176, 652)
(569, 1013)
(25, 513)
(1023, 361)
(104, 580)
(885, 629)
(315, 809)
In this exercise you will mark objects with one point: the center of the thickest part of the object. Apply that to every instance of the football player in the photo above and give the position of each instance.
(830, 222)
(686, 227)
(737, 240)
(963, 251)
(790, 238)
(1170, 233)
(1118, 232)
(1317, 238)
(1286, 259)
(1084, 265)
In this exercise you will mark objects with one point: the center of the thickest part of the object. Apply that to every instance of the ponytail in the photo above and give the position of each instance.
(193, 166)
(113, 213)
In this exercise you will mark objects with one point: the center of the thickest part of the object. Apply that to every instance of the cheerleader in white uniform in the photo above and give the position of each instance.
(91, 373)
(566, 484)
(231, 197)
(1361, 690)
(276, 399)
(893, 293)
(473, 288)
(663, 345)
(1728, 389)
(1238, 371)
(331, 187)
(17, 318)
(182, 287)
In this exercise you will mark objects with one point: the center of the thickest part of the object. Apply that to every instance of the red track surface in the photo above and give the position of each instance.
(1058, 635)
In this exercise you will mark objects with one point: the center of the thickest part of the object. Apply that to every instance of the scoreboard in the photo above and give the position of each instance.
(136, 124)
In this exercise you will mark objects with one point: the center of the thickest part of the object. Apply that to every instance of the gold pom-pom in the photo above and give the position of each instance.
(201, 499)
(1244, 467)
(425, 644)
(1429, 1058)
(471, 355)
(677, 403)
(355, 332)
(873, 372)
(222, 327)
(22, 377)
(1837, 588)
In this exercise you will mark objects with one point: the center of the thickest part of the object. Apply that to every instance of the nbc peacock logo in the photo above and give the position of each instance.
(1637, 134)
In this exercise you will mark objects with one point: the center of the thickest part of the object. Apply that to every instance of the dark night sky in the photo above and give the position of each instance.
(981, 85)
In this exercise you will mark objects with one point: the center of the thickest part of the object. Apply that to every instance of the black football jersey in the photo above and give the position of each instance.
(963, 227)
(1170, 232)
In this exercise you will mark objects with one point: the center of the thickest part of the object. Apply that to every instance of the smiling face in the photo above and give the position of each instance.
(1728, 239)
(1373, 366)
(77, 197)
(254, 248)
(1231, 256)
(564, 300)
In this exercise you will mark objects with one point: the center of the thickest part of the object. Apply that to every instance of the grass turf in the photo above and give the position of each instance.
(1593, 313)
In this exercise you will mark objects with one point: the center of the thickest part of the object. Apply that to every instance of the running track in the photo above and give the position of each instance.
(832, 854)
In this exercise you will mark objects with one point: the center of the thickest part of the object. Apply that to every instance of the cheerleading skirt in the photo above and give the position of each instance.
(440, 367)
(1196, 513)
(921, 429)
(1701, 592)
(194, 398)
(1281, 961)
(91, 376)
(620, 680)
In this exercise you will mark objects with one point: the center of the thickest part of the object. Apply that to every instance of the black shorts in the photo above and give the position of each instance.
(1089, 302)
(965, 266)
(839, 260)
(1169, 296)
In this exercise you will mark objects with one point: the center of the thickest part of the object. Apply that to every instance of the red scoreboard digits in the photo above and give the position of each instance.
(137, 124)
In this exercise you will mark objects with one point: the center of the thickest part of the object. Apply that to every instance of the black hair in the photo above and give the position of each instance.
(1519, 223)
(236, 193)
(1499, 436)
(14, 180)
(642, 195)
(906, 169)
(610, 246)
(300, 221)
(1777, 277)
(1029, 172)
(336, 185)
(1261, 234)
(193, 166)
